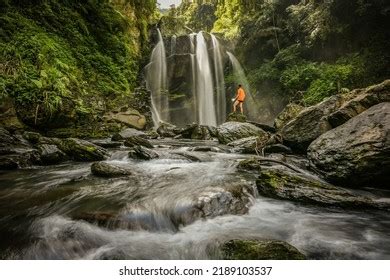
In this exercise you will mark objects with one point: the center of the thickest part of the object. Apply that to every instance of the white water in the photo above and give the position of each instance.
(240, 78)
(205, 86)
(193, 76)
(156, 82)
(219, 80)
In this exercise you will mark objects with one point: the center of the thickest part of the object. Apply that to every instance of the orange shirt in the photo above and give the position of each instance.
(241, 94)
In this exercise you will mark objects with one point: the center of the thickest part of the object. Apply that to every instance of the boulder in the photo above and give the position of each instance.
(231, 131)
(263, 126)
(137, 141)
(50, 154)
(277, 148)
(140, 152)
(127, 116)
(236, 117)
(369, 97)
(105, 169)
(8, 163)
(82, 150)
(287, 185)
(198, 132)
(314, 121)
(290, 112)
(251, 164)
(309, 124)
(250, 145)
(356, 153)
(259, 250)
(127, 133)
(168, 130)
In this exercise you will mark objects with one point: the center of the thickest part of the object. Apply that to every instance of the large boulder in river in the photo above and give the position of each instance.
(105, 169)
(369, 97)
(260, 250)
(82, 150)
(140, 152)
(250, 145)
(289, 112)
(330, 113)
(310, 124)
(231, 131)
(50, 154)
(356, 153)
(287, 185)
(137, 141)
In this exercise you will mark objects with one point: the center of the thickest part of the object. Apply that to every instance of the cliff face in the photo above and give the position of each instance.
(65, 61)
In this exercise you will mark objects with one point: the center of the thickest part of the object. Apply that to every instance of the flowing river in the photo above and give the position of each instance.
(65, 212)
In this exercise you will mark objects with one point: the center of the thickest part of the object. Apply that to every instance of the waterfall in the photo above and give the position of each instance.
(156, 82)
(193, 76)
(173, 44)
(204, 83)
(240, 78)
(219, 80)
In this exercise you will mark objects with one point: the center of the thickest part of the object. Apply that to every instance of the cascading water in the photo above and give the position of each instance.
(204, 82)
(193, 76)
(219, 80)
(240, 78)
(156, 81)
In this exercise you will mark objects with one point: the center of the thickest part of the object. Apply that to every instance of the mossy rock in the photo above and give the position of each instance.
(236, 117)
(82, 150)
(286, 185)
(251, 164)
(260, 250)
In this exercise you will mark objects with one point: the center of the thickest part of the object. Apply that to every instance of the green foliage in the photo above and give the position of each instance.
(51, 50)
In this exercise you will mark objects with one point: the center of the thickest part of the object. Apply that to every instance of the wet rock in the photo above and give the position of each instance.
(208, 149)
(282, 184)
(194, 157)
(234, 199)
(50, 154)
(251, 164)
(82, 150)
(333, 111)
(106, 143)
(263, 126)
(32, 137)
(6, 139)
(236, 117)
(310, 124)
(105, 169)
(152, 134)
(168, 130)
(277, 148)
(198, 132)
(290, 112)
(260, 250)
(7, 164)
(127, 116)
(369, 97)
(137, 141)
(126, 133)
(356, 153)
(231, 131)
(140, 152)
(250, 145)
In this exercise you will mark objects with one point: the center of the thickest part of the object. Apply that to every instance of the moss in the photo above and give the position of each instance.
(260, 250)
(249, 164)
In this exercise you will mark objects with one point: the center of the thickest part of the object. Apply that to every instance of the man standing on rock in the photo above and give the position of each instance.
(240, 97)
